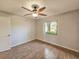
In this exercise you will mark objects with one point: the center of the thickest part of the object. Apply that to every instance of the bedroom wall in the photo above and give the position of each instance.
(68, 30)
(23, 30)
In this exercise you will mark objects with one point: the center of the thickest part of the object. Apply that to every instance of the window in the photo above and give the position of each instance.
(51, 28)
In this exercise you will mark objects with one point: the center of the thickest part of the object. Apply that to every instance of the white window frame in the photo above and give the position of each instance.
(47, 28)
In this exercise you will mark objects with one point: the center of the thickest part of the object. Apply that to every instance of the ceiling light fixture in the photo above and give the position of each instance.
(35, 15)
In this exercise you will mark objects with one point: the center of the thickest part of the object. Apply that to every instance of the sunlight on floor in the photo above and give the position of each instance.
(49, 54)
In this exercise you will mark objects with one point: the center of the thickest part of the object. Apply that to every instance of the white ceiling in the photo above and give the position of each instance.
(53, 6)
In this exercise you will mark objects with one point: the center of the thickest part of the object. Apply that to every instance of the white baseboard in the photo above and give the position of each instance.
(22, 43)
(5, 49)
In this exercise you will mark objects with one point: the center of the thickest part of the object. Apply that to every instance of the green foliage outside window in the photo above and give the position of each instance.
(51, 28)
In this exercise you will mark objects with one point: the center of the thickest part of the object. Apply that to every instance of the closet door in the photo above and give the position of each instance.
(5, 33)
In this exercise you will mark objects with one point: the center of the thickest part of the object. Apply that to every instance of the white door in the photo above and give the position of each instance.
(5, 32)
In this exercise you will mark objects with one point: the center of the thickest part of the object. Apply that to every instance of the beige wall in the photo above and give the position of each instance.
(68, 30)
(23, 30)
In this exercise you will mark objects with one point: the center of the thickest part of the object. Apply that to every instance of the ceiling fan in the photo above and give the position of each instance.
(36, 11)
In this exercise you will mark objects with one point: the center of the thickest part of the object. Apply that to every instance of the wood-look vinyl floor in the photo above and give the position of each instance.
(37, 50)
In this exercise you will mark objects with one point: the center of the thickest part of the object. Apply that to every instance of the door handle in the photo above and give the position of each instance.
(9, 35)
